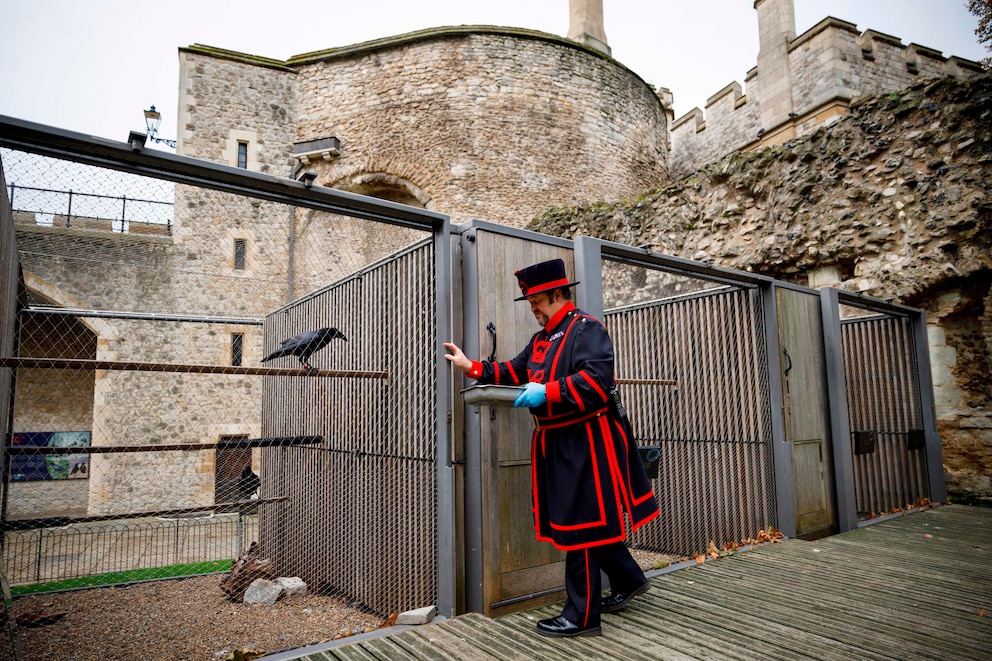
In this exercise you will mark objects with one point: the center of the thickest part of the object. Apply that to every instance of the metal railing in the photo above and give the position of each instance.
(67, 208)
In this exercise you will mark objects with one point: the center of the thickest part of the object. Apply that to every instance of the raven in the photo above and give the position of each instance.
(306, 344)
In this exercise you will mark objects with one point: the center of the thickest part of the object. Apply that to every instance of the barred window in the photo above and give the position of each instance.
(243, 155)
(237, 347)
(239, 254)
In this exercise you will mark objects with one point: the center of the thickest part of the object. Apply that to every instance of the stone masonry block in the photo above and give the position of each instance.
(292, 585)
(417, 616)
(263, 591)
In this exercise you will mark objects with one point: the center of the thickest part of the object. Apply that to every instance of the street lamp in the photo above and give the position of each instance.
(152, 119)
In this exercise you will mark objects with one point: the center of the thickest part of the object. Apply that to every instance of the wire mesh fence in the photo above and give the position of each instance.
(885, 417)
(693, 370)
(137, 449)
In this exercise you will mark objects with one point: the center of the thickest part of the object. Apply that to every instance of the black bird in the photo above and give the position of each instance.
(306, 344)
(247, 483)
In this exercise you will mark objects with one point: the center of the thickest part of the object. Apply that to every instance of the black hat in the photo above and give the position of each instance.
(542, 277)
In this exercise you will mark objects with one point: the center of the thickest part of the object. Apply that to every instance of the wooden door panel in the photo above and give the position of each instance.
(806, 408)
(515, 564)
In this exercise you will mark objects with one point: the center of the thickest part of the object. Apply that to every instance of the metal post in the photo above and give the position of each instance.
(446, 554)
(474, 566)
(589, 272)
(840, 426)
(785, 490)
(123, 212)
(935, 466)
(68, 212)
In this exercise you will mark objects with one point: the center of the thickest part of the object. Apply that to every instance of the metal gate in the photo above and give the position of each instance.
(692, 368)
(365, 499)
(886, 422)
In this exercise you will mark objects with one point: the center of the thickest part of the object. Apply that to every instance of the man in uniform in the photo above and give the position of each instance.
(586, 469)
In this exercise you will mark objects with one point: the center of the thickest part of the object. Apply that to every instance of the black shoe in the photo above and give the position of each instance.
(559, 627)
(618, 600)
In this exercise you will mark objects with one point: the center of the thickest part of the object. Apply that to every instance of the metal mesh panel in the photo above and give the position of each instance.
(883, 400)
(713, 425)
(137, 448)
(366, 497)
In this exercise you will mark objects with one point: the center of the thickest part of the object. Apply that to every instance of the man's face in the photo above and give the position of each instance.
(543, 307)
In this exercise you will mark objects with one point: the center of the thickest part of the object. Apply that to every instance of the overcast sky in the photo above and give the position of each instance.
(93, 65)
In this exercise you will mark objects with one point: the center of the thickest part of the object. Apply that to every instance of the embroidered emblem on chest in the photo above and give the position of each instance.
(540, 351)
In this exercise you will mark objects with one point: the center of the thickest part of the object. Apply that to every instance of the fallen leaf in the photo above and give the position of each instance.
(928, 535)
(981, 613)
(390, 621)
(698, 558)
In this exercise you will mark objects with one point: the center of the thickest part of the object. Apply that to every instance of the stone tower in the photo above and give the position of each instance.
(585, 24)
(776, 29)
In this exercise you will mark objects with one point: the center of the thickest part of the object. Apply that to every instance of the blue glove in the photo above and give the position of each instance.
(533, 395)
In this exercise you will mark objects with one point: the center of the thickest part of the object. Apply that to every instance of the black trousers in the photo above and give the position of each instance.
(583, 582)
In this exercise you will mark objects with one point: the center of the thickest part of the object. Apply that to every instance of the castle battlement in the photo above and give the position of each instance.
(826, 68)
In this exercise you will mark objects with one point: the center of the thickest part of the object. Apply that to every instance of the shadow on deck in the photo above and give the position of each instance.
(911, 587)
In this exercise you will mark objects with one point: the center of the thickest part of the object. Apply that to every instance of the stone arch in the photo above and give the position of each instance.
(57, 297)
(385, 187)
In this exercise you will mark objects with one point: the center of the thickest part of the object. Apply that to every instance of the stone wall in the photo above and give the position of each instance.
(893, 198)
(493, 123)
(832, 63)
(190, 273)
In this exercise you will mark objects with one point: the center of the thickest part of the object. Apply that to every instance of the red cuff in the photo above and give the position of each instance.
(552, 390)
(476, 370)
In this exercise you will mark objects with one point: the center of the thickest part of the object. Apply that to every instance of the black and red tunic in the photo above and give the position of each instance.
(585, 471)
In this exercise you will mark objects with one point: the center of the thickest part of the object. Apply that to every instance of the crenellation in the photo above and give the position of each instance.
(827, 67)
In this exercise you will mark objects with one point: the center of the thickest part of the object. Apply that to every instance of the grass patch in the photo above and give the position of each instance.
(119, 577)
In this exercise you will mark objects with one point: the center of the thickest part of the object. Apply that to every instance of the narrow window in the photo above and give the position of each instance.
(243, 155)
(237, 346)
(239, 254)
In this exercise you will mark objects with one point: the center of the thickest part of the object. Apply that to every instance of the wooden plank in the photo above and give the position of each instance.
(744, 633)
(492, 636)
(809, 618)
(882, 592)
(387, 649)
(451, 645)
(418, 645)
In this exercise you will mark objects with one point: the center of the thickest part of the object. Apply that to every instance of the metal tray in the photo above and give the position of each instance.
(492, 395)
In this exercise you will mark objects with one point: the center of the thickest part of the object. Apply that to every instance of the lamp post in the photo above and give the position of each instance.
(152, 119)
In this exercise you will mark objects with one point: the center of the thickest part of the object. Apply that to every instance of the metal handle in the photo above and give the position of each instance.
(492, 331)
(788, 369)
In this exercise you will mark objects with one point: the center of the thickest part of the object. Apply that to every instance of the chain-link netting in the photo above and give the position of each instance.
(887, 442)
(145, 440)
(692, 367)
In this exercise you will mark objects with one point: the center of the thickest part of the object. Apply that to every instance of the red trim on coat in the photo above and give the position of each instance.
(586, 545)
(589, 595)
(513, 374)
(635, 526)
(565, 419)
(476, 370)
(623, 499)
(552, 391)
(575, 393)
(558, 316)
(599, 491)
(595, 386)
(564, 338)
(637, 500)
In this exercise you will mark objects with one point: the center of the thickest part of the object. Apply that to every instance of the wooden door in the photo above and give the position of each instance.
(229, 463)
(807, 414)
(515, 564)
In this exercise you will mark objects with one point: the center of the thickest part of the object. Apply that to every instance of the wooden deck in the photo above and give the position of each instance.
(917, 586)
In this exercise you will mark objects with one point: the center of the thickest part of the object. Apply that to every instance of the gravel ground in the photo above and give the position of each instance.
(190, 620)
